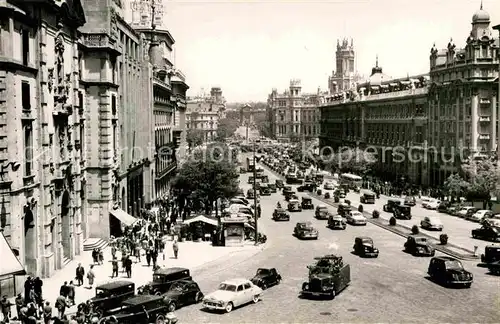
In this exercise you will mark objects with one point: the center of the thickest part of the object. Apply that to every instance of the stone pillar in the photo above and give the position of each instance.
(493, 122)
(474, 121)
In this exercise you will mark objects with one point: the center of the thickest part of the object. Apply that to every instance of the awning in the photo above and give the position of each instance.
(123, 216)
(10, 265)
(202, 219)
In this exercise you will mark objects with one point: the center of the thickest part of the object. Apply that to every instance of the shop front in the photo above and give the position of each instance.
(234, 230)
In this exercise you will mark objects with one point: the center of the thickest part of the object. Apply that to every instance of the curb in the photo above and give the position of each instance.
(468, 257)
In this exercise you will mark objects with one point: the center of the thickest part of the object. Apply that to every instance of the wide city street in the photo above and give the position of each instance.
(392, 288)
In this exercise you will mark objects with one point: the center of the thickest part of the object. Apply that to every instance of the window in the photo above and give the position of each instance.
(82, 140)
(113, 105)
(247, 286)
(28, 149)
(25, 95)
(25, 46)
(240, 288)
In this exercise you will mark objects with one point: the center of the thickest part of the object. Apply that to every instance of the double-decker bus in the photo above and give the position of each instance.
(351, 180)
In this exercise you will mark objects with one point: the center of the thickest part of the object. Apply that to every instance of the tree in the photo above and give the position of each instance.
(226, 128)
(195, 137)
(455, 186)
(483, 178)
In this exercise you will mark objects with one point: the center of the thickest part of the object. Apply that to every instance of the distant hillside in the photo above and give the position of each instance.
(238, 105)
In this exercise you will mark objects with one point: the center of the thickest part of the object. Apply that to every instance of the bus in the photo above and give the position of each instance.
(351, 180)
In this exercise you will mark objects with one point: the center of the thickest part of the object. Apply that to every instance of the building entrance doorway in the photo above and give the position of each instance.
(29, 240)
(65, 226)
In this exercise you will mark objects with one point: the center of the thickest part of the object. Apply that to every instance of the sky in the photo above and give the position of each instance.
(249, 47)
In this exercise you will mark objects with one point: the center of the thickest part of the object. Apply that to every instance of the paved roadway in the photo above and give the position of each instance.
(392, 288)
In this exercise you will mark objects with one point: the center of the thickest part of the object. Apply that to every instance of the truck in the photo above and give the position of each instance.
(250, 165)
(327, 277)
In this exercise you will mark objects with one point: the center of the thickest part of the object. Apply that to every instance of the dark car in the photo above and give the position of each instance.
(144, 309)
(389, 207)
(287, 190)
(305, 230)
(265, 278)
(307, 203)
(491, 254)
(264, 190)
(327, 278)
(336, 222)
(418, 246)
(110, 295)
(280, 214)
(321, 212)
(250, 194)
(443, 206)
(163, 278)
(182, 293)
(279, 183)
(401, 211)
(449, 271)
(367, 197)
(308, 186)
(344, 209)
(487, 232)
(494, 267)
(363, 246)
(272, 187)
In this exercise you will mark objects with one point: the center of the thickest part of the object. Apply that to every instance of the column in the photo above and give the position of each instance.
(493, 123)
(474, 121)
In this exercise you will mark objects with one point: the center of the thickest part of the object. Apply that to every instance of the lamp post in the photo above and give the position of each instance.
(255, 193)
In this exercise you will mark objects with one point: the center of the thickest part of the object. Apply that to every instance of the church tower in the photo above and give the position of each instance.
(345, 76)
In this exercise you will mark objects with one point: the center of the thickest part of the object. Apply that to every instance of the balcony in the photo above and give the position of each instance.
(158, 82)
(484, 136)
(484, 119)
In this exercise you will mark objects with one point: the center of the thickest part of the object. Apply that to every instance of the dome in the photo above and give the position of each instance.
(481, 16)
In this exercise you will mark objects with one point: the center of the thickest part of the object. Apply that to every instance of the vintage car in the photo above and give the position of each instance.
(401, 211)
(466, 211)
(321, 212)
(251, 180)
(292, 179)
(449, 271)
(339, 193)
(489, 231)
(329, 185)
(356, 218)
(410, 201)
(344, 209)
(494, 267)
(305, 230)
(264, 190)
(231, 294)
(265, 278)
(480, 215)
(307, 203)
(291, 196)
(264, 179)
(272, 187)
(327, 278)
(389, 207)
(280, 214)
(182, 293)
(418, 246)
(110, 295)
(363, 246)
(367, 197)
(287, 190)
(250, 194)
(491, 254)
(443, 206)
(240, 201)
(307, 186)
(336, 222)
(163, 278)
(144, 309)
(431, 223)
(279, 183)
(294, 205)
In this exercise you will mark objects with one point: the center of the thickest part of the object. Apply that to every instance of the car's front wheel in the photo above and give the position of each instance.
(229, 307)
(264, 286)
(255, 299)
(172, 307)
(199, 297)
(160, 319)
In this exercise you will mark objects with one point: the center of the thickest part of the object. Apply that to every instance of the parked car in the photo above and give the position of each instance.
(182, 293)
(163, 278)
(321, 212)
(418, 246)
(307, 203)
(389, 207)
(443, 206)
(480, 215)
(363, 246)
(410, 201)
(110, 295)
(401, 211)
(466, 211)
(449, 271)
(294, 206)
(336, 222)
(232, 293)
(424, 201)
(305, 230)
(144, 309)
(356, 218)
(491, 254)
(489, 231)
(265, 278)
(431, 223)
(453, 210)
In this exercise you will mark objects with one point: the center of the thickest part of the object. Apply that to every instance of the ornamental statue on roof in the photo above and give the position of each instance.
(451, 45)
(434, 50)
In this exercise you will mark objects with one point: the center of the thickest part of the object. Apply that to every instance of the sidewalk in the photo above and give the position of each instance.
(192, 255)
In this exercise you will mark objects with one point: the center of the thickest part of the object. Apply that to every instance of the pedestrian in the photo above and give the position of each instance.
(148, 257)
(61, 305)
(114, 266)
(138, 251)
(47, 313)
(101, 256)
(154, 257)
(91, 276)
(27, 290)
(95, 256)
(63, 291)
(37, 287)
(80, 272)
(6, 305)
(71, 293)
(175, 247)
(128, 267)
(19, 301)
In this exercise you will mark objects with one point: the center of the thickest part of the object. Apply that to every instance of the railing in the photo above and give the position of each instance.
(162, 83)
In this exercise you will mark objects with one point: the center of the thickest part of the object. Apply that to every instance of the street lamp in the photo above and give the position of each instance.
(255, 193)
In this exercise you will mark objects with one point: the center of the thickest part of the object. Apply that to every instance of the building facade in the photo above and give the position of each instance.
(385, 115)
(463, 99)
(293, 114)
(204, 112)
(345, 77)
(41, 156)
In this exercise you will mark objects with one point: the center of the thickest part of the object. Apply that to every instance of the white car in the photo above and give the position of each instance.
(425, 201)
(431, 223)
(462, 213)
(480, 215)
(232, 293)
(356, 218)
(433, 205)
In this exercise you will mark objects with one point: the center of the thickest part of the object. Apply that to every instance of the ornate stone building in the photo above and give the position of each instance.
(463, 98)
(293, 114)
(205, 111)
(40, 145)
